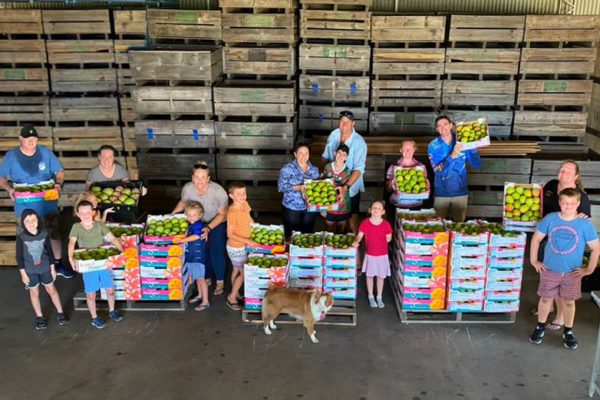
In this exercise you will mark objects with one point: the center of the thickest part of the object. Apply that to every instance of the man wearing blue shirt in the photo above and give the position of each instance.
(32, 163)
(448, 161)
(355, 162)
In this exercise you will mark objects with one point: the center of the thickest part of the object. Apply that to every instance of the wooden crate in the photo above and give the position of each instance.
(576, 61)
(128, 23)
(484, 28)
(264, 198)
(260, 61)
(495, 62)
(555, 92)
(188, 25)
(259, 28)
(78, 22)
(128, 139)
(8, 249)
(17, 80)
(122, 47)
(337, 26)
(401, 94)
(16, 24)
(86, 139)
(25, 109)
(411, 63)
(550, 124)
(319, 118)
(126, 107)
(175, 134)
(336, 4)
(337, 88)
(18, 52)
(174, 102)
(256, 168)
(172, 166)
(562, 28)
(546, 170)
(402, 123)
(335, 58)
(83, 80)
(408, 29)
(80, 53)
(479, 93)
(255, 99)
(229, 6)
(9, 137)
(132, 168)
(84, 110)
(484, 204)
(499, 122)
(77, 168)
(371, 193)
(255, 135)
(181, 66)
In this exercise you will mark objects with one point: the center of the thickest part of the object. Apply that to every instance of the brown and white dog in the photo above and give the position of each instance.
(304, 305)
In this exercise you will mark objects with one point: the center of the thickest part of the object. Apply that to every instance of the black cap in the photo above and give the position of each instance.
(347, 114)
(28, 131)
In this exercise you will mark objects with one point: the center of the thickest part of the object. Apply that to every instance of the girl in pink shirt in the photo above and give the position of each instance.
(377, 233)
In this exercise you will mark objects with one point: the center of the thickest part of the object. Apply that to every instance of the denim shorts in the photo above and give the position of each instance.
(197, 270)
(96, 280)
(45, 278)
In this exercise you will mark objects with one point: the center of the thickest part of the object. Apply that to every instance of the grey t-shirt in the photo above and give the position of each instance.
(214, 198)
(96, 175)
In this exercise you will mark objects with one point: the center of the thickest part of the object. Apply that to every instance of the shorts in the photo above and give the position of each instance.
(96, 280)
(355, 203)
(338, 217)
(45, 278)
(50, 223)
(196, 270)
(238, 256)
(559, 284)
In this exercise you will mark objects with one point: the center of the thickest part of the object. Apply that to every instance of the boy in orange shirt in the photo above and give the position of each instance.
(238, 235)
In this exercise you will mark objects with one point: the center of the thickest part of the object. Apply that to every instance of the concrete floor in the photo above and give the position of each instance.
(212, 355)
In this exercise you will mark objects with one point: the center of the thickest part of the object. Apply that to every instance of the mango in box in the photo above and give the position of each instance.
(166, 227)
(410, 180)
(266, 237)
(98, 254)
(522, 202)
(119, 231)
(320, 193)
(339, 241)
(307, 240)
(267, 262)
(497, 229)
(118, 195)
(471, 131)
(422, 228)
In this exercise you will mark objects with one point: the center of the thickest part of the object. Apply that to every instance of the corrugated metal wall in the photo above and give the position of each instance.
(483, 6)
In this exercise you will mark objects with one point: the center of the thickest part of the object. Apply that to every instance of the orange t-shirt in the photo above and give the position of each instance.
(240, 220)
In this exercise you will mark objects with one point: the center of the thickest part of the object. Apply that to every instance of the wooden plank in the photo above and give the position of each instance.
(24, 80)
(80, 51)
(24, 108)
(30, 51)
(558, 61)
(483, 28)
(486, 93)
(545, 170)
(265, 28)
(130, 22)
(408, 61)
(250, 167)
(482, 61)
(409, 28)
(335, 24)
(402, 123)
(84, 109)
(340, 88)
(258, 3)
(334, 57)
(491, 165)
(260, 61)
(172, 166)
(87, 138)
(21, 22)
(394, 93)
(253, 98)
(9, 137)
(255, 135)
(76, 21)
(83, 80)
(189, 65)
(191, 24)
(555, 92)
(327, 118)
(175, 134)
(554, 28)
(172, 100)
(539, 123)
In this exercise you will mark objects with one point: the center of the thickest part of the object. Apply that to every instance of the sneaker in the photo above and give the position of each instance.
(380, 302)
(63, 271)
(372, 302)
(41, 323)
(62, 318)
(115, 315)
(536, 336)
(569, 341)
(99, 323)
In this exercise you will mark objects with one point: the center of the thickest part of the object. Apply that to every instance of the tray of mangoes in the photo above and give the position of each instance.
(122, 196)
(269, 238)
(267, 262)
(411, 183)
(320, 195)
(41, 191)
(522, 204)
(473, 134)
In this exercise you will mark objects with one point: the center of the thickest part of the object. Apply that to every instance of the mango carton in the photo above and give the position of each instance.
(501, 306)
(507, 252)
(259, 234)
(467, 272)
(252, 303)
(127, 240)
(459, 238)
(423, 304)
(465, 306)
(85, 264)
(465, 295)
(150, 261)
(315, 251)
(341, 294)
(333, 262)
(506, 262)
(503, 284)
(340, 283)
(503, 295)
(403, 178)
(306, 272)
(467, 284)
(523, 205)
(340, 272)
(169, 250)
(151, 237)
(297, 261)
(306, 283)
(41, 191)
(465, 133)
(504, 273)
(423, 293)
(469, 250)
(326, 204)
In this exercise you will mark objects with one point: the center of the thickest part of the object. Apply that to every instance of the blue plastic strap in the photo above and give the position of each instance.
(195, 133)
(353, 87)
(320, 117)
(150, 133)
(315, 88)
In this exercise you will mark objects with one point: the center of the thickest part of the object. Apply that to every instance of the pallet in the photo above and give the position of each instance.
(255, 99)
(489, 29)
(340, 58)
(130, 24)
(184, 26)
(30, 53)
(82, 54)
(171, 167)
(479, 93)
(563, 28)
(25, 110)
(9, 137)
(399, 95)
(334, 88)
(499, 122)
(129, 142)
(260, 28)
(84, 111)
(494, 62)
(24, 80)
(408, 29)
(546, 170)
(77, 168)
(258, 6)
(76, 22)
(21, 24)
(336, 5)
(83, 80)
(548, 125)
(198, 66)
(172, 102)
(260, 62)
(343, 313)
(385, 123)
(86, 139)
(553, 63)
(335, 25)
(126, 109)
(174, 134)
(409, 63)
(326, 119)
(255, 135)
(554, 93)
(79, 304)
(254, 168)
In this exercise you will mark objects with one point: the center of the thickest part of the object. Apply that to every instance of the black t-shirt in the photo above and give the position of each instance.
(551, 205)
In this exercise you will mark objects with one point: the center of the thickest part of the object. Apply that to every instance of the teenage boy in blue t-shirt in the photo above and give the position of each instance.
(561, 270)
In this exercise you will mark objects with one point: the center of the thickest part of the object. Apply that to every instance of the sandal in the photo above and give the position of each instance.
(233, 306)
(552, 326)
(195, 300)
(219, 290)
(202, 307)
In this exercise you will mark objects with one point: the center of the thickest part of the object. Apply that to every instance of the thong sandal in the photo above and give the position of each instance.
(554, 326)
(233, 306)
(218, 290)
(195, 300)
(202, 307)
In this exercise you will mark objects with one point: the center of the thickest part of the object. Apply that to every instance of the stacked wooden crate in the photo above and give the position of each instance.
(555, 89)
(482, 63)
(334, 61)
(408, 64)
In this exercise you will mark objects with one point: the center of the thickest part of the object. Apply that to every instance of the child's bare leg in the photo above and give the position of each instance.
(34, 295)
(340, 227)
(329, 226)
(237, 284)
(202, 290)
(90, 299)
(370, 286)
(51, 289)
(544, 307)
(560, 318)
(232, 297)
(380, 286)
(568, 307)
(110, 295)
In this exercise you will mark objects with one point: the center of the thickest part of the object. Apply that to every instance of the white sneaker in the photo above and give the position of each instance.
(372, 302)
(380, 302)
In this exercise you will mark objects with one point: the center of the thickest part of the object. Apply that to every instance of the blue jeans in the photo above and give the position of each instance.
(215, 260)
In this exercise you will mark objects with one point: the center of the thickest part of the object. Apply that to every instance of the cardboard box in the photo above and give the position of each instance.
(268, 249)
(23, 195)
(163, 272)
(421, 281)
(84, 266)
(408, 214)
(507, 252)
(465, 295)
(423, 304)
(503, 295)
(297, 251)
(155, 239)
(467, 272)
(306, 272)
(519, 239)
(510, 222)
(150, 261)
(469, 250)
(465, 306)
(331, 251)
(321, 208)
(501, 306)
(169, 250)
(467, 284)
(503, 284)
(340, 272)
(306, 283)
(252, 303)
(418, 261)
(340, 283)
(506, 262)
(341, 294)
(422, 293)
(504, 273)
(306, 261)
(457, 238)
(350, 262)
(468, 261)
(413, 196)
(483, 142)
(119, 294)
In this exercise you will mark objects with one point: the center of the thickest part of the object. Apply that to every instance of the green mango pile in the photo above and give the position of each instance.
(497, 229)
(119, 231)
(266, 237)
(339, 241)
(119, 195)
(320, 193)
(522, 203)
(267, 261)
(167, 227)
(470, 131)
(424, 216)
(307, 240)
(422, 228)
(465, 229)
(35, 188)
(98, 254)
(410, 180)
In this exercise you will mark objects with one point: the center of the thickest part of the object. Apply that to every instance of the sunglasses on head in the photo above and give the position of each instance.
(347, 114)
(200, 166)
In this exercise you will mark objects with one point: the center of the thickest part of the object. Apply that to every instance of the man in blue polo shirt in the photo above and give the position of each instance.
(448, 160)
(357, 158)
(32, 163)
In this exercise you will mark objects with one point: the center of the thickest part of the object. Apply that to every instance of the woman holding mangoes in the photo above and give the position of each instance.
(407, 149)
